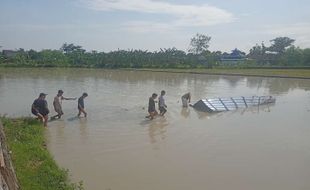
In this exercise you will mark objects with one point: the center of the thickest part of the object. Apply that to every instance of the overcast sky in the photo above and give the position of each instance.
(106, 25)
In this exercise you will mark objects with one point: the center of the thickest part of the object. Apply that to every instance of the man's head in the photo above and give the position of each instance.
(163, 92)
(154, 95)
(42, 95)
(60, 92)
(85, 95)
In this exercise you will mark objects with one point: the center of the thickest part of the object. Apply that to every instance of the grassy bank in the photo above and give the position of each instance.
(283, 73)
(34, 166)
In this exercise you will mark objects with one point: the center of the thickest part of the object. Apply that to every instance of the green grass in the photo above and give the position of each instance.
(286, 73)
(34, 166)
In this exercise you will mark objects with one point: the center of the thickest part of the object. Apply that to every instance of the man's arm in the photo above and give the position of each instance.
(64, 98)
(46, 107)
(33, 107)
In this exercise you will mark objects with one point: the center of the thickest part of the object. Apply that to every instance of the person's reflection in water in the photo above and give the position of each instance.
(157, 130)
(185, 112)
(59, 127)
(83, 126)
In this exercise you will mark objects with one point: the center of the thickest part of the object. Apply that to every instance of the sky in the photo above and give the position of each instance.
(108, 25)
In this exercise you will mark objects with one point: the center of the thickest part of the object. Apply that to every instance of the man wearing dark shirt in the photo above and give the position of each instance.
(40, 108)
(151, 109)
(81, 105)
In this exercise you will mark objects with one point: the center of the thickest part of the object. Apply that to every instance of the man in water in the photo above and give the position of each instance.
(57, 104)
(152, 111)
(186, 98)
(161, 103)
(81, 105)
(40, 109)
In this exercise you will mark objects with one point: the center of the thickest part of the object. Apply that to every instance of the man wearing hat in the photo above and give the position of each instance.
(57, 104)
(40, 108)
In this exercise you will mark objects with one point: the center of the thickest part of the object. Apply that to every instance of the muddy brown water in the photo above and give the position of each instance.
(116, 148)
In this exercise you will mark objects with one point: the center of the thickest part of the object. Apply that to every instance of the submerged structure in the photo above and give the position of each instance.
(228, 104)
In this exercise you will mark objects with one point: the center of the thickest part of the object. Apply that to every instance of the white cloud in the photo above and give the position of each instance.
(179, 15)
(298, 31)
(145, 27)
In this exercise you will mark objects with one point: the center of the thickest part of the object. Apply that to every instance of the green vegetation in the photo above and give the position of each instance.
(199, 44)
(34, 166)
(289, 73)
(281, 53)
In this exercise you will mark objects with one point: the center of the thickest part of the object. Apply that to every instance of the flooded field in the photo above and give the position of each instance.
(117, 148)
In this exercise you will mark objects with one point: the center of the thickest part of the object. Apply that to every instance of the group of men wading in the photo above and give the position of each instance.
(186, 98)
(40, 108)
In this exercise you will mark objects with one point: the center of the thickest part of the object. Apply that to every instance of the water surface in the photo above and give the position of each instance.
(116, 148)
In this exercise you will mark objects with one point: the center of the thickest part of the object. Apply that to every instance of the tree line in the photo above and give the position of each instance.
(281, 53)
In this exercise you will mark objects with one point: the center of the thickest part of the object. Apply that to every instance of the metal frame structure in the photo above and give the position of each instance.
(228, 104)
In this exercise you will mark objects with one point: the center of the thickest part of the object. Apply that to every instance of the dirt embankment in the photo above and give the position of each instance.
(8, 180)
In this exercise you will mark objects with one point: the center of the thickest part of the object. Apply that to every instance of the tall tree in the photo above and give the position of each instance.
(255, 52)
(70, 48)
(258, 53)
(279, 44)
(293, 56)
(306, 57)
(199, 43)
